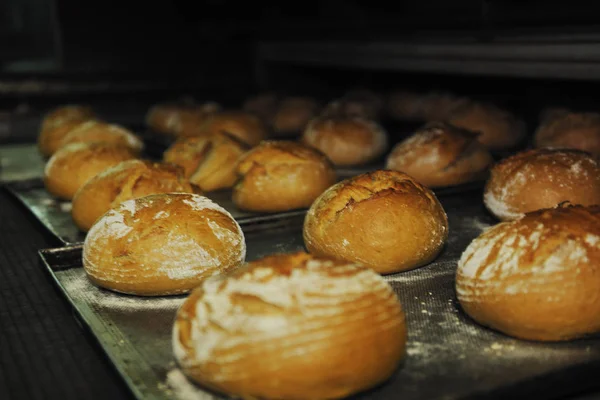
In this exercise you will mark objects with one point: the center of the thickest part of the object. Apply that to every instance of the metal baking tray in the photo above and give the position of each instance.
(448, 355)
(55, 214)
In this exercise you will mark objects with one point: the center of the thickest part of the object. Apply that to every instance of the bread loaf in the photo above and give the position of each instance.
(280, 176)
(541, 178)
(162, 244)
(440, 154)
(74, 164)
(385, 220)
(292, 115)
(568, 130)
(291, 326)
(536, 278)
(346, 140)
(57, 123)
(245, 126)
(126, 180)
(180, 119)
(101, 132)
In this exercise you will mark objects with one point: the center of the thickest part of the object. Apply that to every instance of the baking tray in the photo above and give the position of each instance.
(55, 214)
(448, 355)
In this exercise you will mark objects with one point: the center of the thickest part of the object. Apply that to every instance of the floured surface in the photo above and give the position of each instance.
(448, 355)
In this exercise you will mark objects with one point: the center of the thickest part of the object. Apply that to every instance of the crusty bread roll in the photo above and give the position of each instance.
(434, 106)
(405, 105)
(292, 115)
(550, 113)
(541, 178)
(536, 278)
(569, 130)
(74, 164)
(126, 180)
(57, 123)
(440, 154)
(180, 119)
(358, 103)
(499, 129)
(346, 140)
(96, 132)
(384, 219)
(208, 161)
(280, 176)
(264, 105)
(162, 244)
(245, 126)
(291, 326)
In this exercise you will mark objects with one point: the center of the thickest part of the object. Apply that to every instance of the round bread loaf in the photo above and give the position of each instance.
(498, 128)
(245, 126)
(404, 105)
(438, 106)
(541, 178)
(384, 219)
(358, 103)
(536, 278)
(264, 105)
(280, 176)
(126, 180)
(282, 327)
(180, 119)
(346, 140)
(440, 155)
(97, 132)
(292, 115)
(550, 113)
(208, 161)
(162, 244)
(57, 123)
(570, 130)
(75, 164)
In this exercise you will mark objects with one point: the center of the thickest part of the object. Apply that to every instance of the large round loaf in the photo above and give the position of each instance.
(291, 326)
(570, 130)
(440, 154)
(162, 244)
(346, 140)
(385, 220)
(541, 178)
(280, 176)
(536, 278)
(127, 180)
(74, 164)
(101, 132)
(57, 123)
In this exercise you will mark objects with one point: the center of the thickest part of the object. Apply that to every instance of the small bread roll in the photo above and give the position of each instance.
(263, 105)
(76, 163)
(58, 123)
(162, 244)
(405, 105)
(542, 178)
(357, 103)
(280, 176)
(208, 161)
(570, 130)
(384, 219)
(245, 126)
(185, 119)
(127, 180)
(550, 113)
(291, 326)
(536, 278)
(96, 132)
(498, 128)
(346, 140)
(440, 154)
(292, 115)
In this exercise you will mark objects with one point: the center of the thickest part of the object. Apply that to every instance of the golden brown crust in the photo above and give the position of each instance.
(280, 328)
(541, 178)
(385, 220)
(162, 244)
(126, 180)
(101, 132)
(180, 119)
(208, 161)
(346, 141)
(58, 123)
(74, 164)
(536, 278)
(569, 130)
(498, 128)
(245, 126)
(292, 115)
(440, 154)
(279, 176)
